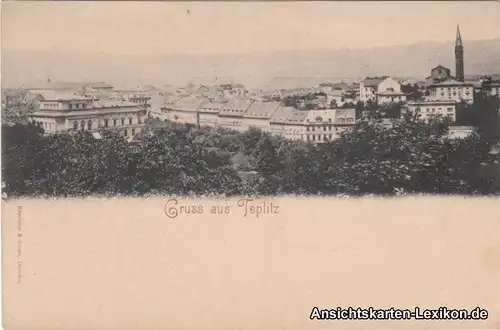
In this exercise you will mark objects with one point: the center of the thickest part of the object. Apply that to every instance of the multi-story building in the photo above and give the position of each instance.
(185, 111)
(70, 113)
(209, 113)
(431, 109)
(489, 86)
(278, 120)
(452, 90)
(259, 115)
(137, 96)
(231, 114)
(240, 115)
(381, 90)
(327, 125)
(294, 128)
(368, 88)
(389, 91)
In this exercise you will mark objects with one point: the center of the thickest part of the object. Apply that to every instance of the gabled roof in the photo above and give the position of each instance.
(158, 102)
(297, 117)
(338, 85)
(261, 109)
(344, 114)
(212, 107)
(441, 67)
(187, 104)
(235, 107)
(373, 81)
(390, 93)
(320, 116)
(281, 115)
(335, 93)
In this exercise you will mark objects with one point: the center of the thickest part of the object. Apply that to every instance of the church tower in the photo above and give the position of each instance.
(459, 57)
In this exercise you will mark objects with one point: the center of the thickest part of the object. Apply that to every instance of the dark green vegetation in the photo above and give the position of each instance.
(411, 157)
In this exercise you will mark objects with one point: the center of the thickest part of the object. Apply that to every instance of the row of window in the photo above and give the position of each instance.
(139, 101)
(125, 132)
(51, 106)
(313, 128)
(122, 121)
(78, 106)
(438, 109)
(107, 123)
(454, 94)
(46, 126)
(342, 120)
(455, 88)
(315, 137)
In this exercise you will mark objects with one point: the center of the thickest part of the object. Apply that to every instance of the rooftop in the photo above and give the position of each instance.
(390, 93)
(208, 106)
(296, 117)
(54, 95)
(373, 81)
(452, 82)
(441, 67)
(262, 109)
(281, 115)
(187, 104)
(235, 107)
(430, 102)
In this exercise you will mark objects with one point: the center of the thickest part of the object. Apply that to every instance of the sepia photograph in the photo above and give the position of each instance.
(231, 165)
(253, 99)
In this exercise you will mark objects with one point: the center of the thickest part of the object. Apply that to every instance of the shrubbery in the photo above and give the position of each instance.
(411, 157)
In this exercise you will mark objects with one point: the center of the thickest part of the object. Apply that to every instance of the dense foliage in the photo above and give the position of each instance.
(410, 157)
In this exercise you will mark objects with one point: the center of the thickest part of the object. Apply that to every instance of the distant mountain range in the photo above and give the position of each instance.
(279, 69)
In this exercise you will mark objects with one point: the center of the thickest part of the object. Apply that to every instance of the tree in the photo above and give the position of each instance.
(268, 164)
(250, 140)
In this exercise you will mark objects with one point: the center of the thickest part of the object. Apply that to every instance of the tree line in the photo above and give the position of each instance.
(411, 157)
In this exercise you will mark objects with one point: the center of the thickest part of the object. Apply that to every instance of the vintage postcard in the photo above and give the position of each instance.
(250, 165)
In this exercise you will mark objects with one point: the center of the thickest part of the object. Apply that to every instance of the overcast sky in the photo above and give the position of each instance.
(168, 28)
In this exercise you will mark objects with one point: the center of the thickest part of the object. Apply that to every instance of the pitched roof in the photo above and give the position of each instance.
(345, 113)
(451, 82)
(320, 116)
(335, 93)
(338, 85)
(187, 104)
(441, 67)
(158, 102)
(458, 41)
(296, 117)
(55, 95)
(212, 107)
(281, 115)
(373, 81)
(235, 107)
(261, 109)
(390, 93)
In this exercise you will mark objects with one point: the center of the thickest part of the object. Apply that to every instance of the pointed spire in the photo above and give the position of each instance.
(458, 42)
